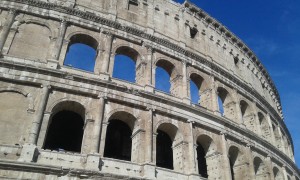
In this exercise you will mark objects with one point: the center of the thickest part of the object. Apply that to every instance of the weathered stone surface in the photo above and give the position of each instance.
(249, 140)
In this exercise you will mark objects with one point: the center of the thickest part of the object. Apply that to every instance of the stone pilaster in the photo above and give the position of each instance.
(36, 124)
(107, 45)
(225, 164)
(250, 161)
(185, 86)
(257, 127)
(149, 86)
(6, 28)
(97, 126)
(149, 138)
(60, 39)
(270, 167)
(238, 116)
(192, 161)
(271, 129)
(285, 176)
(214, 106)
(103, 138)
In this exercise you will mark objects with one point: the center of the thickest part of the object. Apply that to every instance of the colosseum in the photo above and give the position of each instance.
(69, 115)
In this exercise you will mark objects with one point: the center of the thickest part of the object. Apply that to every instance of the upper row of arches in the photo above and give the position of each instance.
(82, 51)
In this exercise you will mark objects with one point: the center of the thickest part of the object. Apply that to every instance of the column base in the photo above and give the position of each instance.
(186, 100)
(149, 171)
(104, 76)
(194, 177)
(149, 88)
(52, 63)
(93, 162)
(29, 153)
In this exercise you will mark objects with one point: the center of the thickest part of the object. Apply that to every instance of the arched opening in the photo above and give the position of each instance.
(163, 75)
(233, 155)
(167, 156)
(164, 151)
(220, 104)
(225, 103)
(125, 64)
(65, 132)
(205, 155)
(259, 169)
(195, 88)
(82, 52)
(202, 165)
(118, 140)
(237, 164)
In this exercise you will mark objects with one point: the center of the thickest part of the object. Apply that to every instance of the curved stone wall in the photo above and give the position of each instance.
(247, 139)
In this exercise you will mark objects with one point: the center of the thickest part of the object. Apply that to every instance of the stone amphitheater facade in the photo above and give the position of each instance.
(247, 140)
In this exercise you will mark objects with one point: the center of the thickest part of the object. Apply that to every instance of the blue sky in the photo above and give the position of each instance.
(271, 28)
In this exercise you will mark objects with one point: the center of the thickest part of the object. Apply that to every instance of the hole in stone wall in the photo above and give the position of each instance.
(164, 152)
(118, 140)
(65, 132)
(133, 5)
(193, 32)
(82, 52)
(202, 165)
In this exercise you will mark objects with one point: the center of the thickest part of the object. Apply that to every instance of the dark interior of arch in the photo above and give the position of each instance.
(65, 132)
(118, 140)
(164, 151)
(233, 155)
(244, 107)
(202, 165)
(82, 52)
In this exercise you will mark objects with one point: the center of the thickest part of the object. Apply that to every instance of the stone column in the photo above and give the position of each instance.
(281, 139)
(250, 161)
(106, 52)
(149, 75)
(185, 91)
(60, 39)
(270, 167)
(225, 164)
(192, 161)
(97, 126)
(271, 129)
(257, 127)
(239, 116)
(103, 138)
(214, 97)
(6, 28)
(149, 138)
(285, 176)
(36, 124)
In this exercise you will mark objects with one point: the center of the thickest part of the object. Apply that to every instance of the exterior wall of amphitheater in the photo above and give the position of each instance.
(35, 85)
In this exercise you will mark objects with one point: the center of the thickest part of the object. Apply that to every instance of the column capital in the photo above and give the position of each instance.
(13, 11)
(48, 86)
